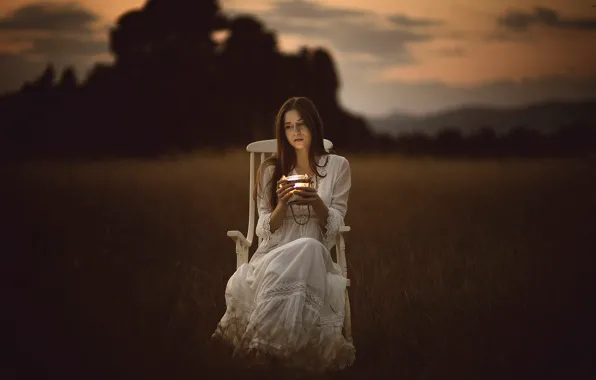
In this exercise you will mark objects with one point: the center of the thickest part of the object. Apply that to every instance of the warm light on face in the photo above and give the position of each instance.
(297, 132)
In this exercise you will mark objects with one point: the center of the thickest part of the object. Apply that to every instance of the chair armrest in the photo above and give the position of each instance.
(340, 250)
(242, 246)
(238, 237)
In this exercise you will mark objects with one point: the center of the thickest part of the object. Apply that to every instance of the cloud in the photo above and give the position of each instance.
(49, 17)
(389, 46)
(404, 20)
(64, 46)
(355, 33)
(19, 69)
(32, 35)
(454, 51)
(521, 21)
(310, 10)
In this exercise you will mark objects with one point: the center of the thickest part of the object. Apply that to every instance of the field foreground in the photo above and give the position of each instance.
(459, 269)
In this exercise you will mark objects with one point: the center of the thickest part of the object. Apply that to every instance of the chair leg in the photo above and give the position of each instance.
(348, 320)
(241, 254)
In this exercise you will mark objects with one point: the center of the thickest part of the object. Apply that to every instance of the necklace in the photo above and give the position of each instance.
(303, 219)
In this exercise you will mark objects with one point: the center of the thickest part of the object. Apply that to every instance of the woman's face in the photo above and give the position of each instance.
(297, 131)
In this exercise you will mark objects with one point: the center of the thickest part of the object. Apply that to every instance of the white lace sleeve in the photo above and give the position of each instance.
(263, 229)
(339, 203)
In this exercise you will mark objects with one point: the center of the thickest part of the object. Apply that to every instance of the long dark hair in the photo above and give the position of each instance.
(285, 157)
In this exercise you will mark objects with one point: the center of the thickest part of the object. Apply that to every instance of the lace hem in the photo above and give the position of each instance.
(263, 229)
(289, 289)
(266, 227)
(324, 349)
(324, 353)
(302, 338)
(334, 221)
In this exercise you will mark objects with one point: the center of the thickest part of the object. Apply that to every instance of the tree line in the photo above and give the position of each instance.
(173, 88)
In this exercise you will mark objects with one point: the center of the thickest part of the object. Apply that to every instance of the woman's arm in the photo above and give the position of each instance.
(322, 212)
(271, 220)
(339, 203)
(331, 218)
(277, 216)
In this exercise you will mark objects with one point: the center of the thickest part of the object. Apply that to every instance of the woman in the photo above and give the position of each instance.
(288, 302)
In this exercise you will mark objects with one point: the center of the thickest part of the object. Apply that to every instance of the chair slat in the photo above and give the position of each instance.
(270, 146)
(251, 204)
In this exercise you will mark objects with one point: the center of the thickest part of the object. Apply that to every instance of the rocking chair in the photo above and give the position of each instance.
(267, 148)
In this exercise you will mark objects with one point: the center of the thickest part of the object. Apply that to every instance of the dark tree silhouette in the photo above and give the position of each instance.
(482, 142)
(167, 31)
(173, 88)
(249, 73)
(522, 140)
(449, 141)
(68, 79)
(44, 82)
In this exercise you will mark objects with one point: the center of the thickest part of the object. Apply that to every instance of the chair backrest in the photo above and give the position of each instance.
(266, 148)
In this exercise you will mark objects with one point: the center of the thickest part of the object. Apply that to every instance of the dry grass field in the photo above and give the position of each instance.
(460, 269)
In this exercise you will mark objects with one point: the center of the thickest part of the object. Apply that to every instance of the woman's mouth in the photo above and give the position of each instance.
(298, 139)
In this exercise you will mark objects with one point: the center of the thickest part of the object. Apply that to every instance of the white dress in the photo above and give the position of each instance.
(289, 300)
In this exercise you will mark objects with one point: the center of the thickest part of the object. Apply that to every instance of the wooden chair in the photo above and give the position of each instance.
(267, 148)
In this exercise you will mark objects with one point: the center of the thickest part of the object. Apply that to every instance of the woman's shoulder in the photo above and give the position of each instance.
(270, 162)
(267, 167)
(335, 160)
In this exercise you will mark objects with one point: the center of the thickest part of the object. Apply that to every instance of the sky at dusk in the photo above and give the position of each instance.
(415, 56)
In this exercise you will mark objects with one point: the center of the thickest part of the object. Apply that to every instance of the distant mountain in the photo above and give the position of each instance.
(543, 117)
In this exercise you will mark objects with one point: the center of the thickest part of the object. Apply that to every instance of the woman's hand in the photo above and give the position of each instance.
(284, 191)
(308, 195)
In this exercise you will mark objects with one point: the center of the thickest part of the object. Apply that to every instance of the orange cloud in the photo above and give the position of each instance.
(553, 52)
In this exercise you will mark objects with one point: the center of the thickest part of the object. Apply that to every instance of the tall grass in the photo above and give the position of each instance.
(459, 269)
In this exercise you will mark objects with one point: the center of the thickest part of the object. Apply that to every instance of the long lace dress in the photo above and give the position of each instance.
(289, 300)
